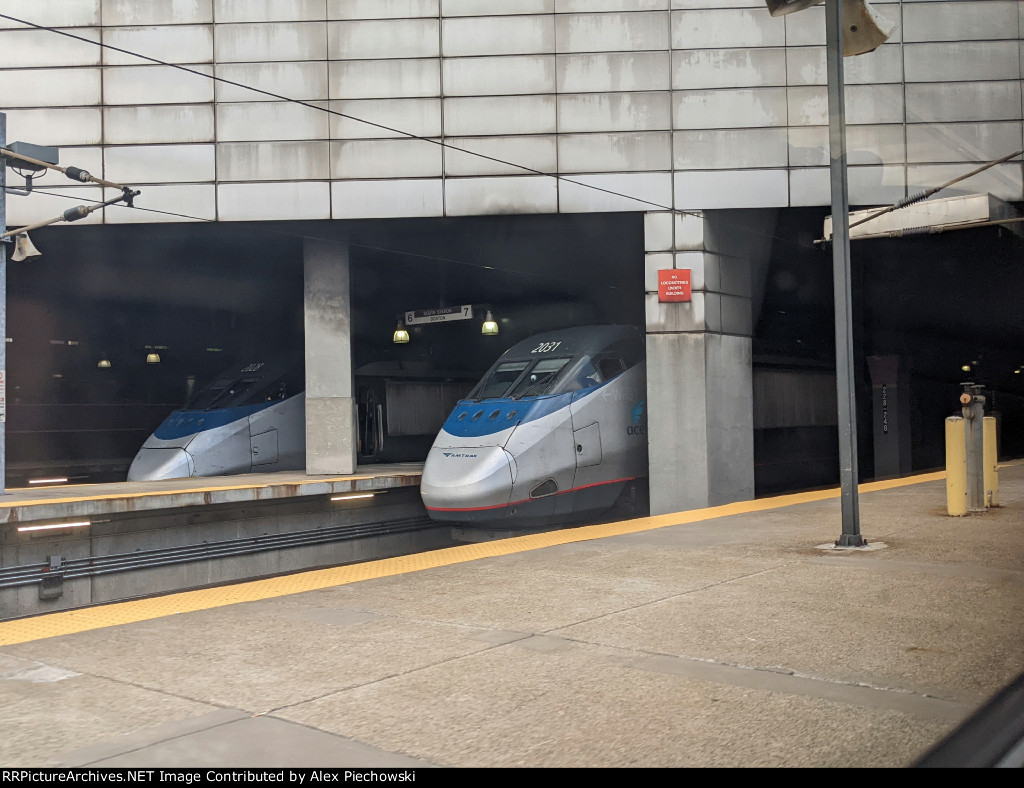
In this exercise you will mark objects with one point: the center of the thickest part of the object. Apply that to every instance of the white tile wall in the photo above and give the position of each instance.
(36, 48)
(160, 123)
(239, 202)
(622, 152)
(728, 68)
(157, 85)
(519, 194)
(723, 28)
(355, 79)
(82, 126)
(50, 87)
(960, 61)
(170, 44)
(730, 148)
(39, 207)
(1003, 180)
(269, 10)
(967, 142)
(464, 117)
(164, 12)
(612, 32)
(52, 13)
(382, 38)
(421, 117)
(302, 81)
(614, 112)
(263, 42)
(964, 21)
(537, 152)
(642, 191)
(266, 120)
(731, 189)
(975, 101)
(399, 158)
(386, 199)
(272, 161)
(499, 76)
(617, 94)
(497, 35)
(722, 109)
(166, 203)
(613, 72)
(489, 7)
(136, 164)
(806, 66)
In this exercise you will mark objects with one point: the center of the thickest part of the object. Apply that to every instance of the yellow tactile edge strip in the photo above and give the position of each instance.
(68, 622)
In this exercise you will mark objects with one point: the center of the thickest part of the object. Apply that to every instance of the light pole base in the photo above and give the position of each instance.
(851, 540)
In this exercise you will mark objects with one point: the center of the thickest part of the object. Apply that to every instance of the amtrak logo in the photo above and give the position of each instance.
(458, 454)
(637, 414)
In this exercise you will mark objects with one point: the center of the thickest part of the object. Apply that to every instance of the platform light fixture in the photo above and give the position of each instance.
(104, 362)
(54, 526)
(401, 336)
(353, 497)
(152, 358)
(490, 326)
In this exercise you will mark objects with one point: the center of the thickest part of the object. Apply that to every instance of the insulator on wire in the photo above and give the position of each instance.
(77, 174)
(76, 213)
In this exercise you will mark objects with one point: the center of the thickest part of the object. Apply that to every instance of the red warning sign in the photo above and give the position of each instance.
(674, 284)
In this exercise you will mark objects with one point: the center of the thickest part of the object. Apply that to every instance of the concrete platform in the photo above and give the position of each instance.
(22, 505)
(737, 636)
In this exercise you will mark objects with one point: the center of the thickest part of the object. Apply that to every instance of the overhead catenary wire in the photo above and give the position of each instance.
(72, 214)
(434, 141)
(74, 173)
(915, 198)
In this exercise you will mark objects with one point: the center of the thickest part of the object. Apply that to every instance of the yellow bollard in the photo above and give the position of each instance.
(956, 466)
(991, 461)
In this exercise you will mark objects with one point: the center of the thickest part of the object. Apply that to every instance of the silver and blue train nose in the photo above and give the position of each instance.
(161, 463)
(459, 483)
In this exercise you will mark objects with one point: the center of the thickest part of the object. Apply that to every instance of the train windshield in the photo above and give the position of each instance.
(540, 379)
(235, 392)
(499, 380)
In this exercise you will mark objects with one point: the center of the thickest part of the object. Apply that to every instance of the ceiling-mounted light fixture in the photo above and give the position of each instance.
(104, 362)
(401, 336)
(152, 358)
(490, 326)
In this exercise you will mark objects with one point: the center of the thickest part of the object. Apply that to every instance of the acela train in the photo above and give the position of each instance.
(555, 431)
(250, 419)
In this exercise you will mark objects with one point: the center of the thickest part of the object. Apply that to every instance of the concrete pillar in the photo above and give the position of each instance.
(331, 426)
(699, 379)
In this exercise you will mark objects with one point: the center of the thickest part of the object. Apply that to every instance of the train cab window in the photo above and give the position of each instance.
(498, 382)
(540, 379)
(610, 366)
(206, 398)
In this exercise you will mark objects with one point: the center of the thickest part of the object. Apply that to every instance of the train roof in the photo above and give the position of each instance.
(578, 340)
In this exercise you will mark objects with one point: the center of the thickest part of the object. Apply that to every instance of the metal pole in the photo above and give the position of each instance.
(3, 309)
(841, 277)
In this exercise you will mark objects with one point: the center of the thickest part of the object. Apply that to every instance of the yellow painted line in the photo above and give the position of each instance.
(71, 621)
(191, 491)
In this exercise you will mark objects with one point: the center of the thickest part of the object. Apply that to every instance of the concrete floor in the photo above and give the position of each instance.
(739, 641)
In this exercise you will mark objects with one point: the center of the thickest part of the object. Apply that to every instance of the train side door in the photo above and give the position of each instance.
(264, 448)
